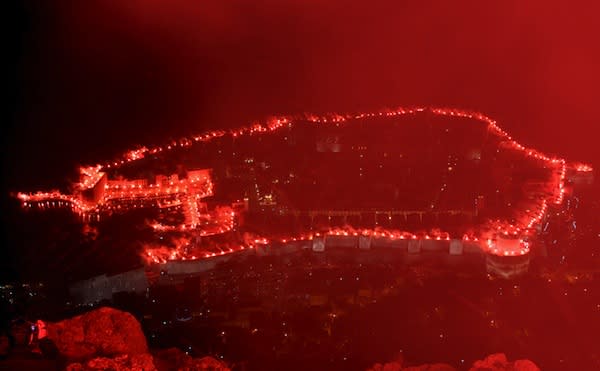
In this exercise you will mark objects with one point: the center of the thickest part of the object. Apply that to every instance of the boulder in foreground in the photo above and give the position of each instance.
(110, 339)
(104, 332)
(121, 363)
(499, 362)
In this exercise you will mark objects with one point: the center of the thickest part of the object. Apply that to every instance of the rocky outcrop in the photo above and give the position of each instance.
(174, 359)
(499, 362)
(105, 332)
(170, 360)
(109, 339)
(123, 362)
(493, 362)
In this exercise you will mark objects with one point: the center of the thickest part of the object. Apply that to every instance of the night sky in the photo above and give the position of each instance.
(90, 79)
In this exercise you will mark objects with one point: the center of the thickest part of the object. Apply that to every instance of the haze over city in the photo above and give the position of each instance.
(287, 177)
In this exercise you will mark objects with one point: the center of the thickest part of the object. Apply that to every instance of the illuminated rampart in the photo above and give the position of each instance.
(92, 199)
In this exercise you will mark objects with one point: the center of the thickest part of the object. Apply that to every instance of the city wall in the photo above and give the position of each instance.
(412, 250)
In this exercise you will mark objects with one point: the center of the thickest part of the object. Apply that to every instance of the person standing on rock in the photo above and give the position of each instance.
(22, 355)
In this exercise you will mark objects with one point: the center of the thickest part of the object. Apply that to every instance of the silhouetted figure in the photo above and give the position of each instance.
(21, 356)
(20, 337)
